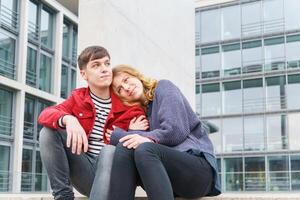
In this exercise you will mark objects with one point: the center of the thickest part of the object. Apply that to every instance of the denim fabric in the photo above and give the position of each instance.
(164, 173)
(67, 170)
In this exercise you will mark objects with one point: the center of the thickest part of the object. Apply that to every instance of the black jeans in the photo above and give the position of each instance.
(164, 173)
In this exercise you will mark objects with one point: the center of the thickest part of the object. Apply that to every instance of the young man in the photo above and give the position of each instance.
(72, 138)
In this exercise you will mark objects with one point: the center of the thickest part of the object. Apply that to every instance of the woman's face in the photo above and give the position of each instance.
(128, 87)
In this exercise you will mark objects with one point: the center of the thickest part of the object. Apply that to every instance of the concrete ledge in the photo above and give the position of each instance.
(226, 196)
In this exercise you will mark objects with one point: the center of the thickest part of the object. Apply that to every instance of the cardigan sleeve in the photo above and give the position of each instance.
(171, 113)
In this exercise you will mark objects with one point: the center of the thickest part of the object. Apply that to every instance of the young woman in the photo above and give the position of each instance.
(175, 157)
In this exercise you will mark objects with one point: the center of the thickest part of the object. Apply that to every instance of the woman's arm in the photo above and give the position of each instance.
(172, 114)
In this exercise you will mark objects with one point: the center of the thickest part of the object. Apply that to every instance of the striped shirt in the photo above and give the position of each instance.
(95, 140)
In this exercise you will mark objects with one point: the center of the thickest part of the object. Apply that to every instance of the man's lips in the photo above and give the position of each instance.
(105, 76)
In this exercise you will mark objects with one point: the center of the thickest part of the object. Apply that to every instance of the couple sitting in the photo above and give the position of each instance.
(100, 142)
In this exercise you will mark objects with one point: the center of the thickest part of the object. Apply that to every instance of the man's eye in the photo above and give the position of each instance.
(107, 64)
(125, 80)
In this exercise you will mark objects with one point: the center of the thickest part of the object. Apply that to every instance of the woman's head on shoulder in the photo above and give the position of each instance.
(132, 86)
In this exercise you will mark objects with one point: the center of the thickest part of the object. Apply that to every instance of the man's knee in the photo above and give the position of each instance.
(106, 156)
(48, 137)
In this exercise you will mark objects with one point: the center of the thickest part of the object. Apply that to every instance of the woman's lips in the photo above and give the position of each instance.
(132, 91)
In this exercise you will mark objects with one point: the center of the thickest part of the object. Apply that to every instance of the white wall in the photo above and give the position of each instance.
(155, 36)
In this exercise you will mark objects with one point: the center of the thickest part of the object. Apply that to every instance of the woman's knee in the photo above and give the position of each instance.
(145, 150)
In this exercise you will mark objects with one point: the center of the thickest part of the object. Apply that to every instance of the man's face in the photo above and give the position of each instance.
(98, 73)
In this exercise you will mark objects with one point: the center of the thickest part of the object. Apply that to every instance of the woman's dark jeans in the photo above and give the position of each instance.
(164, 173)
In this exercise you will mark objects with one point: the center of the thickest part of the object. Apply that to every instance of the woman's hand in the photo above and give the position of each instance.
(108, 134)
(140, 123)
(134, 140)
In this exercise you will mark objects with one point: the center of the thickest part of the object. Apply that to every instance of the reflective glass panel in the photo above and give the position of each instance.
(211, 98)
(252, 57)
(6, 103)
(210, 62)
(231, 22)
(253, 94)
(231, 59)
(255, 175)
(232, 134)
(276, 132)
(45, 73)
(278, 173)
(210, 29)
(232, 97)
(254, 133)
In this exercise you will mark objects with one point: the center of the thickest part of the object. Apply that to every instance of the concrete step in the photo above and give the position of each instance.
(226, 196)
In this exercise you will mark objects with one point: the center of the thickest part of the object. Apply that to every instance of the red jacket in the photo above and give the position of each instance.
(80, 105)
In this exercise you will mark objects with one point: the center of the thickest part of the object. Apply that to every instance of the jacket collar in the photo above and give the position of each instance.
(117, 104)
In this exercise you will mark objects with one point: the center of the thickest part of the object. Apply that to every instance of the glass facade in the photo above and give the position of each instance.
(21, 101)
(69, 62)
(6, 137)
(247, 83)
(40, 53)
(34, 177)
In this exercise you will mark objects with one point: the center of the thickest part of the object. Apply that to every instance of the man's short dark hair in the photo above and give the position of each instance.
(91, 53)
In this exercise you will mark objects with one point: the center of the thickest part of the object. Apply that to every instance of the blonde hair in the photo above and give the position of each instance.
(148, 83)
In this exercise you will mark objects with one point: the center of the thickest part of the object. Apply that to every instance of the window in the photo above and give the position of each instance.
(33, 107)
(292, 55)
(210, 28)
(232, 134)
(7, 56)
(40, 24)
(40, 53)
(6, 107)
(231, 59)
(233, 174)
(232, 97)
(292, 89)
(216, 137)
(275, 93)
(293, 127)
(252, 56)
(9, 14)
(274, 54)
(34, 177)
(251, 19)
(295, 172)
(31, 70)
(255, 175)
(5, 173)
(273, 16)
(278, 173)
(211, 98)
(254, 137)
(231, 22)
(210, 62)
(253, 95)
(68, 71)
(291, 14)
(45, 73)
(276, 132)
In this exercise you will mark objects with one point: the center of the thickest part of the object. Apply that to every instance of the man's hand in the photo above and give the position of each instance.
(133, 140)
(76, 136)
(140, 123)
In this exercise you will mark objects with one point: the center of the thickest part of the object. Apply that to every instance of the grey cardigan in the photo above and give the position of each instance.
(174, 123)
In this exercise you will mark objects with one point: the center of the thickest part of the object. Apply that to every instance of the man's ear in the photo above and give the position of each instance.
(83, 74)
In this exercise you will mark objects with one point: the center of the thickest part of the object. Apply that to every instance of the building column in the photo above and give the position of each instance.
(58, 53)
(20, 98)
